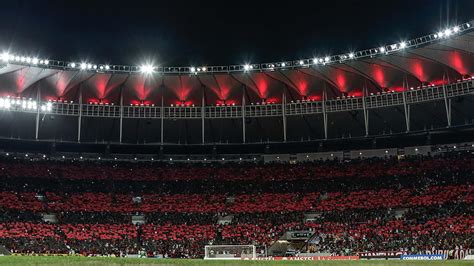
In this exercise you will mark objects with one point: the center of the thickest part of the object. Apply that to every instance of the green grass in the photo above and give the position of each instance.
(28, 260)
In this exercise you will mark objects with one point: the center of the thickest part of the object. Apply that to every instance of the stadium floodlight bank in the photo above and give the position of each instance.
(442, 34)
(230, 252)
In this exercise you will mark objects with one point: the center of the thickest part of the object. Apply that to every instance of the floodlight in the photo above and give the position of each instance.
(5, 56)
(147, 69)
(351, 55)
(83, 66)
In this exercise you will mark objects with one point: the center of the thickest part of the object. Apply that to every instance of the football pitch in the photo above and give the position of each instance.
(29, 260)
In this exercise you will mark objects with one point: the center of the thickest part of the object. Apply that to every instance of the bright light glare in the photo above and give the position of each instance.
(5, 56)
(83, 66)
(351, 55)
(403, 45)
(147, 69)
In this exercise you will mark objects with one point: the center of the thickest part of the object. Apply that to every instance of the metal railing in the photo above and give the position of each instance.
(380, 100)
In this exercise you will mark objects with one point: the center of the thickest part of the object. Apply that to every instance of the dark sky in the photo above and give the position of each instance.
(174, 32)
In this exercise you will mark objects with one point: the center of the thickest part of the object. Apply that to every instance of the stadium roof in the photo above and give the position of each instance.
(433, 60)
(421, 61)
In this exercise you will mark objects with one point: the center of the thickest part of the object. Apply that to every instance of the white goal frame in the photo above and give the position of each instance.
(207, 249)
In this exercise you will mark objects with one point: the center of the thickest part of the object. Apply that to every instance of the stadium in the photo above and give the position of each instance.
(365, 156)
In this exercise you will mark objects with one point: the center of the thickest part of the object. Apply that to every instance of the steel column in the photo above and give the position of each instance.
(283, 106)
(79, 120)
(38, 107)
(325, 115)
(406, 109)
(366, 111)
(162, 114)
(121, 114)
(203, 116)
(447, 103)
(243, 115)
(406, 106)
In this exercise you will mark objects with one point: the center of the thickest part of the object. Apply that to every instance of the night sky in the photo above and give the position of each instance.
(176, 33)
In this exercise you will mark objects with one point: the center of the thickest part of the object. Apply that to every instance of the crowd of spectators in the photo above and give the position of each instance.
(90, 203)
(415, 204)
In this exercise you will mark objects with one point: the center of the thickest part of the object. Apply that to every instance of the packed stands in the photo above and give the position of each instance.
(411, 204)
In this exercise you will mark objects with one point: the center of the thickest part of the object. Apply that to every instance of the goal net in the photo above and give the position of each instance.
(230, 252)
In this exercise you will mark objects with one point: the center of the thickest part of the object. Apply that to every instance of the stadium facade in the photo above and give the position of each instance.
(420, 87)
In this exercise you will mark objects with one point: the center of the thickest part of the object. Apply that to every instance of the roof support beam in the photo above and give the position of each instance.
(243, 115)
(457, 47)
(395, 66)
(162, 118)
(38, 107)
(366, 111)
(325, 78)
(447, 102)
(283, 108)
(325, 115)
(79, 119)
(287, 83)
(203, 116)
(121, 115)
(121, 105)
(406, 107)
(356, 71)
(435, 60)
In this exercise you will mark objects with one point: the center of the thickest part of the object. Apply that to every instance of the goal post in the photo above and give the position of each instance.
(230, 252)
